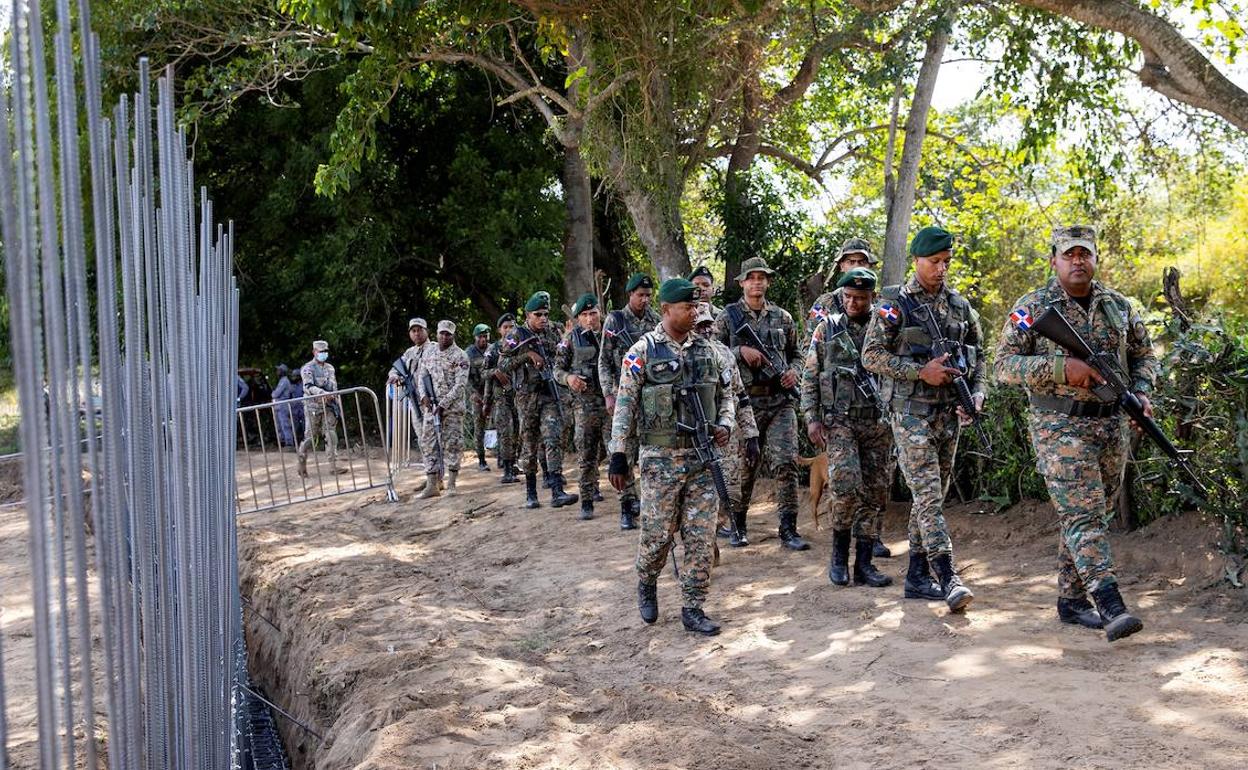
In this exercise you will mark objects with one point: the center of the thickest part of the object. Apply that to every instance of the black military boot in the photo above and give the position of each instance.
(628, 516)
(587, 509)
(919, 583)
(559, 498)
(547, 478)
(1079, 612)
(838, 567)
(648, 601)
(956, 595)
(530, 491)
(509, 473)
(879, 550)
(482, 465)
(598, 498)
(695, 620)
(865, 573)
(1119, 623)
(788, 532)
(738, 539)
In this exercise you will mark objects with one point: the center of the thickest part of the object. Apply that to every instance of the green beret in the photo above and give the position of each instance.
(539, 301)
(931, 240)
(505, 318)
(858, 278)
(587, 301)
(677, 290)
(703, 271)
(480, 329)
(639, 281)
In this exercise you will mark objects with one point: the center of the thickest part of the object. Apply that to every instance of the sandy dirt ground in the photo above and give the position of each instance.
(470, 633)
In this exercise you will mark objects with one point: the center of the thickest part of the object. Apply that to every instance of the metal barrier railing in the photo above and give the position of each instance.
(400, 426)
(278, 477)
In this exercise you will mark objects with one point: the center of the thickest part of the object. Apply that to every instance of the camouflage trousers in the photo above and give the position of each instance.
(478, 423)
(452, 440)
(860, 468)
(503, 414)
(541, 430)
(925, 450)
(677, 495)
(1082, 461)
(568, 438)
(732, 460)
(591, 416)
(320, 420)
(631, 448)
(777, 439)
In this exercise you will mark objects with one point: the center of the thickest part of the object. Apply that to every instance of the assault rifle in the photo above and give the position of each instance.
(942, 345)
(774, 365)
(864, 381)
(623, 332)
(409, 385)
(702, 431)
(546, 372)
(426, 382)
(1054, 327)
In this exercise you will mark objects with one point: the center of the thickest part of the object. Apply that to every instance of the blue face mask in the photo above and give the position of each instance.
(323, 356)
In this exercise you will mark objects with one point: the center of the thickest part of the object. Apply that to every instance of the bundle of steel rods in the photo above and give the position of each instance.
(129, 379)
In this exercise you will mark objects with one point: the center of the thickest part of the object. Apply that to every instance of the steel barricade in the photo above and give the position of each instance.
(277, 477)
(402, 427)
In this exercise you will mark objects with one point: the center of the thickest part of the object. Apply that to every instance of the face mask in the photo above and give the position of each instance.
(323, 356)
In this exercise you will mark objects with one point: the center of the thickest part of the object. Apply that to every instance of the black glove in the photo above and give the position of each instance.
(617, 465)
(752, 452)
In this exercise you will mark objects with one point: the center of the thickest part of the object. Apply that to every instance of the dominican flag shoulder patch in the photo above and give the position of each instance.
(819, 313)
(634, 362)
(1021, 318)
(889, 313)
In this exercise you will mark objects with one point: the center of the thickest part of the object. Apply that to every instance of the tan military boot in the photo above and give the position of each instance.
(451, 478)
(431, 488)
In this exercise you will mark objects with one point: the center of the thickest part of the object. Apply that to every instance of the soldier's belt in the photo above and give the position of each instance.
(1073, 407)
(760, 390)
(667, 440)
(920, 408)
(855, 413)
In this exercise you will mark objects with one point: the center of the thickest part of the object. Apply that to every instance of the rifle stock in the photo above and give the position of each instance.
(1054, 327)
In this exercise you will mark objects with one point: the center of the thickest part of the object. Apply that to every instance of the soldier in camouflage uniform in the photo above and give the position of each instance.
(447, 368)
(771, 397)
(677, 491)
(576, 368)
(322, 414)
(622, 329)
(476, 388)
(854, 253)
(527, 353)
(844, 416)
(500, 401)
(923, 404)
(705, 281)
(418, 333)
(743, 445)
(1080, 441)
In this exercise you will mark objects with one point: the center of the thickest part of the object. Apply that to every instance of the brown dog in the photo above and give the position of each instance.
(818, 480)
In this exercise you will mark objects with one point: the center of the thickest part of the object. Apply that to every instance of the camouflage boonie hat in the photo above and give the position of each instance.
(856, 246)
(704, 314)
(754, 265)
(1066, 238)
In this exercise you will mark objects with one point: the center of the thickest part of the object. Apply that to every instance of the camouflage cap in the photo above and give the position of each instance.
(856, 246)
(704, 314)
(1066, 238)
(754, 265)
(418, 322)
(858, 278)
(320, 345)
(480, 329)
(446, 326)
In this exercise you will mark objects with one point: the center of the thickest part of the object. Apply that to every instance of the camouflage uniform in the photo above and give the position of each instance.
(773, 409)
(411, 357)
(501, 401)
(733, 458)
(540, 424)
(1080, 457)
(476, 389)
(617, 327)
(577, 353)
(859, 443)
(677, 493)
(448, 370)
(319, 378)
(924, 418)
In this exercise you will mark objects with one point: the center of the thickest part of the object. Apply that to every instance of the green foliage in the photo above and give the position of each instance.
(758, 223)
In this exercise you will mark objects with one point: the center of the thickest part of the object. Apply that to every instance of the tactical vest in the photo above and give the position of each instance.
(476, 368)
(770, 329)
(666, 375)
(914, 344)
(838, 359)
(585, 357)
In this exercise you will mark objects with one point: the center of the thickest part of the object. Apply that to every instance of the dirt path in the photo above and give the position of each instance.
(474, 634)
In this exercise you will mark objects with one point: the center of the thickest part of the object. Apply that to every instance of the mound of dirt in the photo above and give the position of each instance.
(467, 632)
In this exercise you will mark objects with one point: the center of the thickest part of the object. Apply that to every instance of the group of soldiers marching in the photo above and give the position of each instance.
(689, 402)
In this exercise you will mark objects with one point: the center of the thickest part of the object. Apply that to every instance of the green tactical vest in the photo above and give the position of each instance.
(666, 374)
(838, 357)
(914, 343)
(585, 357)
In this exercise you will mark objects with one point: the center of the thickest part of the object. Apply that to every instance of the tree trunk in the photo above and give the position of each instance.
(578, 239)
(660, 230)
(901, 206)
(744, 151)
(611, 246)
